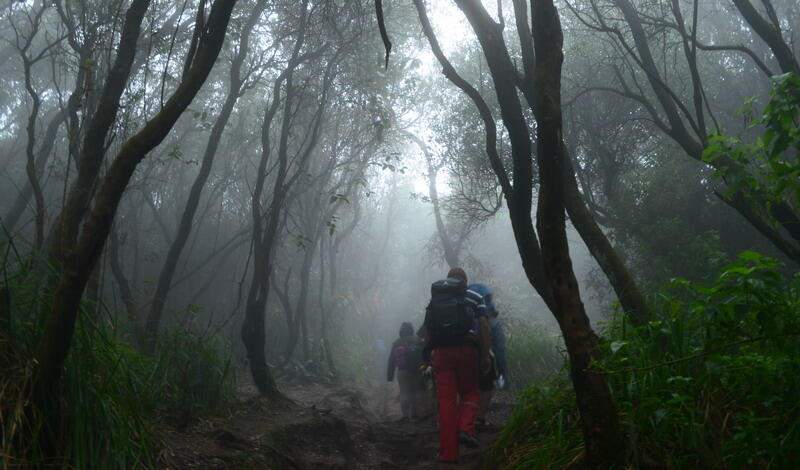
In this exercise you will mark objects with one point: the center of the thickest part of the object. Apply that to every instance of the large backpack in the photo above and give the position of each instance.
(448, 315)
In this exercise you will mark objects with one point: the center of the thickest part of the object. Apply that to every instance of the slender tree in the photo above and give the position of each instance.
(236, 87)
(77, 254)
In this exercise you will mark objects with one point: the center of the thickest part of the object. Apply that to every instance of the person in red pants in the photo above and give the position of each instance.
(458, 335)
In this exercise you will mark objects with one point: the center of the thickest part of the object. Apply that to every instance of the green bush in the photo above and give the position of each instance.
(712, 383)
(112, 395)
(532, 353)
(542, 432)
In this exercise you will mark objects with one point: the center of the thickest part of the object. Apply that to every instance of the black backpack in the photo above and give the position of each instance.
(448, 316)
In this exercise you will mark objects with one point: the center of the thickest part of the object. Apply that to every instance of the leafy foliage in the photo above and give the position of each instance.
(532, 354)
(712, 383)
(112, 394)
(769, 167)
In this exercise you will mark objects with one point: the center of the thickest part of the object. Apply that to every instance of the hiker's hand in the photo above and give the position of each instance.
(486, 365)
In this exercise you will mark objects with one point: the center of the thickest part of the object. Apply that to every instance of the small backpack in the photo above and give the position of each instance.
(399, 355)
(408, 357)
(448, 315)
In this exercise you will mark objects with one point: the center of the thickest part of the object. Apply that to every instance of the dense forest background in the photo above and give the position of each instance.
(206, 194)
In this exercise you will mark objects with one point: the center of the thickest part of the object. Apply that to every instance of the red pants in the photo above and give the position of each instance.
(456, 370)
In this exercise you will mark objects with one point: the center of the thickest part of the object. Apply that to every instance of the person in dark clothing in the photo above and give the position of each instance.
(459, 340)
(486, 382)
(406, 358)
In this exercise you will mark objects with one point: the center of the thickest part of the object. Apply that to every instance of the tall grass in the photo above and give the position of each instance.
(111, 394)
(533, 354)
(712, 383)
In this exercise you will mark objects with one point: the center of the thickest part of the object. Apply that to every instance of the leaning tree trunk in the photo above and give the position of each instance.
(78, 259)
(630, 297)
(620, 278)
(771, 35)
(67, 226)
(598, 413)
(604, 444)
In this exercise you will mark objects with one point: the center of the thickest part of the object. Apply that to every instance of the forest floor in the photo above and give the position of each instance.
(321, 426)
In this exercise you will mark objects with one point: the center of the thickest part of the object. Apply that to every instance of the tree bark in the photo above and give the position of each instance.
(598, 413)
(253, 332)
(128, 300)
(83, 255)
(94, 144)
(603, 441)
(630, 297)
(23, 198)
(235, 83)
(524, 232)
(770, 35)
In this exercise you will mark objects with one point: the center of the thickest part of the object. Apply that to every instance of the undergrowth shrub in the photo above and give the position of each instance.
(532, 353)
(713, 382)
(193, 376)
(358, 359)
(112, 395)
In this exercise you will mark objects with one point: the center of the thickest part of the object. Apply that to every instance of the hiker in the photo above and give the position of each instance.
(458, 341)
(486, 382)
(406, 357)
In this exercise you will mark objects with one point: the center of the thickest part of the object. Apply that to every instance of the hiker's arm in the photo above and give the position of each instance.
(486, 344)
(499, 348)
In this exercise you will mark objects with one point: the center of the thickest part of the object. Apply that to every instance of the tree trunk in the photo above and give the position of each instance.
(235, 83)
(323, 313)
(265, 232)
(604, 444)
(451, 253)
(23, 198)
(524, 232)
(82, 256)
(253, 333)
(771, 35)
(94, 143)
(299, 326)
(30, 166)
(126, 292)
(630, 298)
(623, 283)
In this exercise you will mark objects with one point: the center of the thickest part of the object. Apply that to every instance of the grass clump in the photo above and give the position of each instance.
(533, 354)
(112, 396)
(712, 383)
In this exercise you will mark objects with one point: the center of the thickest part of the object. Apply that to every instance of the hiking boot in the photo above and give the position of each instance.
(468, 440)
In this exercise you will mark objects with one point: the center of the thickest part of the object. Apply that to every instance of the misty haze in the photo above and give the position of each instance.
(390, 234)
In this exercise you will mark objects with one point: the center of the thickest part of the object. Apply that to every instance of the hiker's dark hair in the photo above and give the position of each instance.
(406, 329)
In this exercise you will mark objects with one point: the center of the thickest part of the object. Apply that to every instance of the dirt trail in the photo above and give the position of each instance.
(322, 427)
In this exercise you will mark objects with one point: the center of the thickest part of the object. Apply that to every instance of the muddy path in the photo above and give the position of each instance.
(319, 427)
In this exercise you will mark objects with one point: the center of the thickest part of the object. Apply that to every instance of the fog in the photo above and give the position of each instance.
(295, 205)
